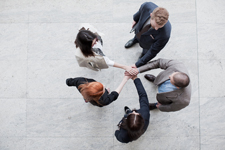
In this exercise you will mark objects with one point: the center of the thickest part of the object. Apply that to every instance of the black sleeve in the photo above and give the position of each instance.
(78, 81)
(152, 52)
(95, 103)
(143, 98)
(110, 98)
(136, 16)
(121, 136)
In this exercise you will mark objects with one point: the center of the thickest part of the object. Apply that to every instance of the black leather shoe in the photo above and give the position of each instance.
(130, 43)
(68, 81)
(152, 106)
(126, 109)
(150, 77)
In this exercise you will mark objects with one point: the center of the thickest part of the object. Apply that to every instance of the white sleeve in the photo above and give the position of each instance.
(108, 61)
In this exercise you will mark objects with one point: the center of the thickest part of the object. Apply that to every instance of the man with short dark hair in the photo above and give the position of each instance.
(174, 88)
(152, 31)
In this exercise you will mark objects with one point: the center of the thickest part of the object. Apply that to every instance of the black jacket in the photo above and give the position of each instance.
(121, 134)
(152, 40)
(105, 99)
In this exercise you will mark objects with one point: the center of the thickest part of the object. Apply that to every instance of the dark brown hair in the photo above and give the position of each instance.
(84, 41)
(181, 79)
(134, 125)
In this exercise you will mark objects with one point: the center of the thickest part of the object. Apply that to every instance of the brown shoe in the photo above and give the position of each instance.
(152, 106)
(150, 77)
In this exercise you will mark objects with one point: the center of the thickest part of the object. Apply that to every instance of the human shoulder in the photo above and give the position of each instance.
(122, 136)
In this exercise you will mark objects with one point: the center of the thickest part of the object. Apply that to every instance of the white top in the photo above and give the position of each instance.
(108, 61)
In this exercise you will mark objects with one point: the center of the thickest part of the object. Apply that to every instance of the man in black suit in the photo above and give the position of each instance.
(152, 31)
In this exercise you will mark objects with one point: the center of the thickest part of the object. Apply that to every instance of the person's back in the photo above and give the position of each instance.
(135, 122)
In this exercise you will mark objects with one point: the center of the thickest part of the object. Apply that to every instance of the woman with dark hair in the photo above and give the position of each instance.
(134, 122)
(95, 92)
(89, 52)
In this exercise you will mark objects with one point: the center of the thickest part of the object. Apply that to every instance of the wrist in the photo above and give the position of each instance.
(134, 78)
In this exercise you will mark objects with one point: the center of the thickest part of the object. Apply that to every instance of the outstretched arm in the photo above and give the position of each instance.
(126, 68)
(124, 81)
(159, 63)
(152, 52)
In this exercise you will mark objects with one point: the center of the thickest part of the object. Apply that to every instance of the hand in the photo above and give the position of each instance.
(134, 22)
(126, 73)
(108, 89)
(131, 71)
(158, 104)
(134, 71)
(133, 66)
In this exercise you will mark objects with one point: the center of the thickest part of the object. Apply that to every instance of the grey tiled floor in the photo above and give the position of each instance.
(39, 112)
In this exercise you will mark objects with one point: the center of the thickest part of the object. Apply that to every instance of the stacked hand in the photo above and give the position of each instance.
(128, 76)
(132, 70)
(158, 104)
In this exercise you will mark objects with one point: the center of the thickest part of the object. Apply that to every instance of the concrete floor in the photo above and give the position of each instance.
(39, 112)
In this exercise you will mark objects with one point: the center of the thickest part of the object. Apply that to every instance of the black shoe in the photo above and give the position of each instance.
(68, 81)
(152, 106)
(150, 77)
(126, 109)
(130, 43)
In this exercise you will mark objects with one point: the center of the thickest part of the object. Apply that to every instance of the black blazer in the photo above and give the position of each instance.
(121, 134)
(105, 99)
(152, 40)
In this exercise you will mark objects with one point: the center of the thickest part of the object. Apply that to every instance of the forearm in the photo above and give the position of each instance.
(151, 65)
(108, 61)
(159, 63)
(119, 66)
(120, 87)
(136, 16)
(145, 59)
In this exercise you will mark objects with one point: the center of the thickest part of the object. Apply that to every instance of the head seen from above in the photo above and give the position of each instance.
(85, 40)
(179, 79)
(91, 91)
(134, 124)
(159, 17)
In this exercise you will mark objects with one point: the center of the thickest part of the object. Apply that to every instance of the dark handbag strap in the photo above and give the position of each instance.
(98, 51)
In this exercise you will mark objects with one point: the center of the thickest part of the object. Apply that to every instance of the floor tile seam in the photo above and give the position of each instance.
(14, 23)
(35, 59)
(58, 137)
(43, 98)
(207, 23)
(54, 59)
(13, 137)
(194, 22)
(28, 33)
(211, 59)
(26, 22)
(171, 136)
(106, 136)
(199, 106)
(12, 98)
(79, 22)
(211, 97)
(115, 21)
